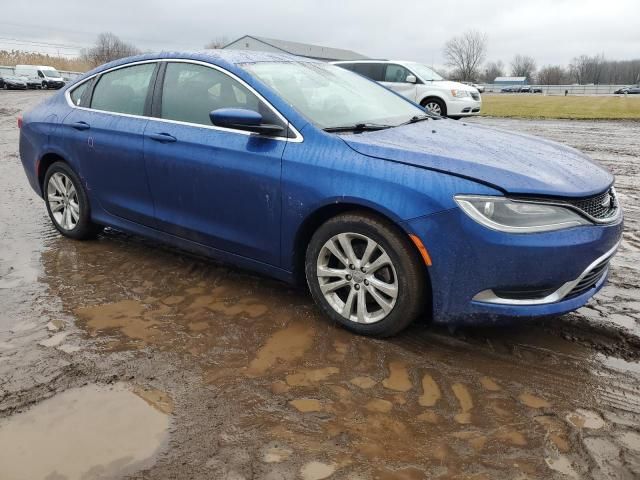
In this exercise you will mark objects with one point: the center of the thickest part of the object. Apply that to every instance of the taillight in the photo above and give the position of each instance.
(20, 121)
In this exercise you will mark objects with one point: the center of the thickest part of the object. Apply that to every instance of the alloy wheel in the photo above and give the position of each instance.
(63, 201)
(433, 107)
(357, 278)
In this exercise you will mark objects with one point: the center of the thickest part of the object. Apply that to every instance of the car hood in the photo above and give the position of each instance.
(449, 85)
(512, 162)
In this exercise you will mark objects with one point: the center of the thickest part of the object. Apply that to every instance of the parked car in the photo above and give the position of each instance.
(509, 89)
(32, 82)
(536, 89)
(11, 82)
(312, 174)
(422, 85)
(632, 89)
(480, 88)
(49, 76)
(524, 89)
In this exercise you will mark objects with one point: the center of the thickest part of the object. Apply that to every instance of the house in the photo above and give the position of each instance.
(263, 44)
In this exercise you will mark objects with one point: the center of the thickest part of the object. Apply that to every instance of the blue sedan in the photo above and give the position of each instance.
(311, 173)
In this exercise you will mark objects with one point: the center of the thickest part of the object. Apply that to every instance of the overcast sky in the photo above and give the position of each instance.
(553, 31)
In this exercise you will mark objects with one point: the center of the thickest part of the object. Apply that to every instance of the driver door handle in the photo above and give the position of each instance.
(81, 125)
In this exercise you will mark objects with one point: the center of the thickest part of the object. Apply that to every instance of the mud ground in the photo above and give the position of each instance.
(220, 374)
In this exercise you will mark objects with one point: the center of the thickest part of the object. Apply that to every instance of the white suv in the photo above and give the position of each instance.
(422, 85)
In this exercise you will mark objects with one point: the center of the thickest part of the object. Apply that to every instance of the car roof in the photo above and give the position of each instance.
(227, 59)
(400, 62)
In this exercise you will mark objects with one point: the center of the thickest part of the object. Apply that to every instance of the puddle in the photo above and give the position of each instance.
(284, 346)
(316, 471)
(398, 378)
(83, 433)
(532, 401)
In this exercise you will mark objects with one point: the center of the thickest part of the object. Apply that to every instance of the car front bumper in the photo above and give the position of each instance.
(463, 107)
(54, 83)
(482, 276)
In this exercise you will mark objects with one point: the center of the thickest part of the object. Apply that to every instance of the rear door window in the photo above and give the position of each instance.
(191, 92)
(374, 71)
(124, 90)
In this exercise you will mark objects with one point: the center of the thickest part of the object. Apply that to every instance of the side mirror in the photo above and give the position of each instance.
(411, 79)
(243, 119)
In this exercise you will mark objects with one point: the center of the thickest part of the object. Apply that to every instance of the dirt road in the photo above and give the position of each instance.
(148, 362)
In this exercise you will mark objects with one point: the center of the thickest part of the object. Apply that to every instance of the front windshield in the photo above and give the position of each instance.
(330, 96)
(50, 72)
(425, 73)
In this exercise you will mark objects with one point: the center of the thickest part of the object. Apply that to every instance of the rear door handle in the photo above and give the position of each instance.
(162, 137)
(81, 125)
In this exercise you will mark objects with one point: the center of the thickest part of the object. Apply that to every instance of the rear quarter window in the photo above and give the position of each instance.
(80, 94)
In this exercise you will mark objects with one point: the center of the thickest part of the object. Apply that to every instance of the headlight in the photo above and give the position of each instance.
(460, 93)
(514, 216)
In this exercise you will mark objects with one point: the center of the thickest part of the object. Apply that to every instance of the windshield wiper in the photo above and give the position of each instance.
(417, 118)
(358, 127)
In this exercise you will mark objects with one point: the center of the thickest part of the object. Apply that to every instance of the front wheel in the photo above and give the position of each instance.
(44, 85)
(67, 203)
(365, 275)
(435, 106)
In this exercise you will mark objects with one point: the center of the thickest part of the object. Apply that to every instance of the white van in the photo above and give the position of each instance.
(49, 76)
(422, 85)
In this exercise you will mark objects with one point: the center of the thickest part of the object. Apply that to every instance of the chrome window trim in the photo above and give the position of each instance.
(298, 136)
(489, 296)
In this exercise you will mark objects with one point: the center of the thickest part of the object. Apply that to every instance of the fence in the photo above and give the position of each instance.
(560, 89)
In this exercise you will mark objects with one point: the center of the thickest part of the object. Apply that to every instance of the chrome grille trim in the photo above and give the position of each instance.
(600, 207)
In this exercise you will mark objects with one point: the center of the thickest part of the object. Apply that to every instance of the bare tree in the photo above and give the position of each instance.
(108, 47)
(552, 75)
(465, 53)
(492, 70)
(586, 69)
(217, 43)
(523, 66)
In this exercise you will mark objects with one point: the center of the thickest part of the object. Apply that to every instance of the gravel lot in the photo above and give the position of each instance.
(148, 362)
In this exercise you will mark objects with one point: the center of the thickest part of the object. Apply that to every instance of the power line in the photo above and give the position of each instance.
(41, 44)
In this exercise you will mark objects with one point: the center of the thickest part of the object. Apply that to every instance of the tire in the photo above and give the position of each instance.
(62, 190)
(403, 271)
(44, 85)
(433, 105)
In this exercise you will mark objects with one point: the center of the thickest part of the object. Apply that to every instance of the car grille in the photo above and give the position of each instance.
(475, 96)
(590, 279)
(600, 207)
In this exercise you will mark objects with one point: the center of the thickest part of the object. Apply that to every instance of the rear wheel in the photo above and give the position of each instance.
(435, 106)
(67, 203)
(365, 275)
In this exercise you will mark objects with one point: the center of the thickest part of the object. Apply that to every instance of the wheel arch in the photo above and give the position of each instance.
(315, 219)
(44, 163)
(433, 97)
